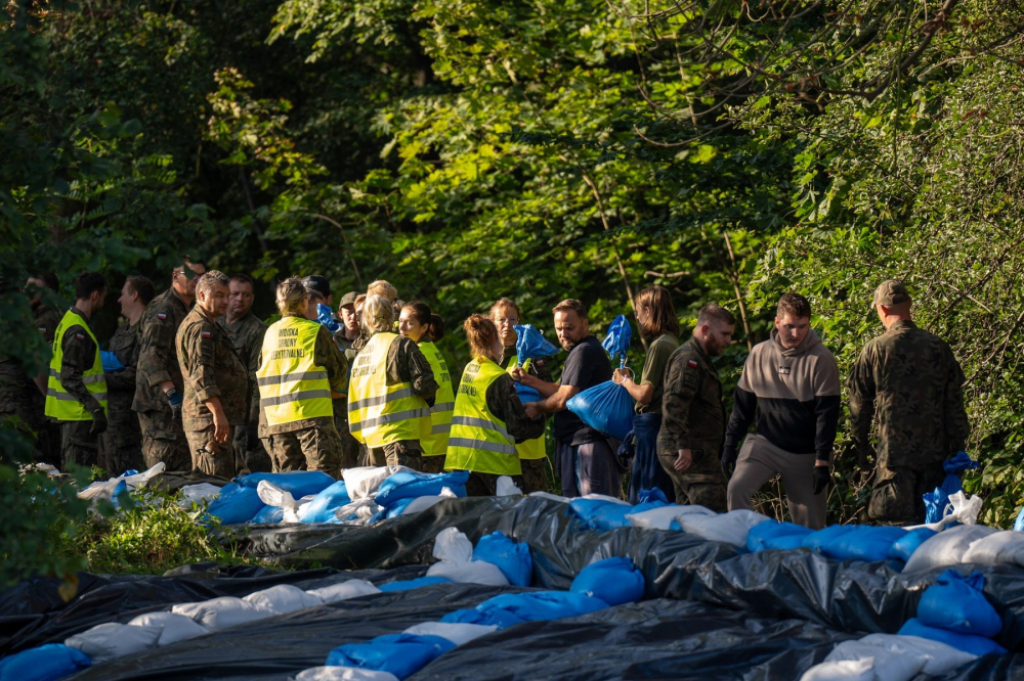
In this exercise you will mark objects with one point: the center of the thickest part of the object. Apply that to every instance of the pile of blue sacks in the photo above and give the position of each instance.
(955, 611)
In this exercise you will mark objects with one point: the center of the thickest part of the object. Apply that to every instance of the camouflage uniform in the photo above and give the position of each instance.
(352, 450)
(908, 382)
(162, 437)
(246, 336)
(693, 418)
(77, 443)
(122, 442)
(47, 320)
(535, 471)
(211, 368)
(310, 444)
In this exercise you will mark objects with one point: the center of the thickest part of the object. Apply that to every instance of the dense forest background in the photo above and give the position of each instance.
(468, 149)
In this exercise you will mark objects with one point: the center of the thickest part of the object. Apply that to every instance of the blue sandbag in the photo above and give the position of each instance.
(407, 584)
(46, 663)
(613, 580)
(398, 654)
(531, 344)
(499, 618)
(235, 504)
(1018, 524)
(328, 500)
(815, 540)
(605, 407)
(969, 643)
(412, 484)
(535, 606)
(863, 542)
(326, 317)
(606, 515)
(904, 547)
(616, 342)
(958, 603)
(527, 394)
(646, 496)
(935, 504)
(785, 542)
(298, 483)
(761, 533)
(110, 362)
(270, 515)
(396, 509)
(514, 560)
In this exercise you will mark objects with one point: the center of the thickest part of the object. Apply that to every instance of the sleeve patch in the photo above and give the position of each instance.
(206, 334)
(692, 363)
(161, 316)
(80, 336)
(41, 329)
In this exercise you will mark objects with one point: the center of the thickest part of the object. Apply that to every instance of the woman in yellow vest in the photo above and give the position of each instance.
(301, 370)
(489, 418)
(390, 392)
(415, 322)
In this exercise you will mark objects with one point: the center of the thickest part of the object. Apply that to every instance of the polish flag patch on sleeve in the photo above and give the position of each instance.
(692, 363)
(206, 334)
(80, 336)
(161, 316)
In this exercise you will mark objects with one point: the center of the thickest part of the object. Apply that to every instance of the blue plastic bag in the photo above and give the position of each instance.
(815, 540)
(770, 534)
(605, 407)
(499, 618)
(269, 515)
(969, 643)
(534, 606)
(958, 603)
(407, 584)
(46, 663)
(616, 342)
(514, 560)
(396, 509)
(613, 580)
(327, 501)
(326, 317)
(904, 547)
(527, 394)
(412, 484)
(935, 502)
(110, 362)
(1018, 524)
(599, 514)
(298, 483)
(399, 654)
(236, 504)
(531, 344)
(646, 496)
(863, 542)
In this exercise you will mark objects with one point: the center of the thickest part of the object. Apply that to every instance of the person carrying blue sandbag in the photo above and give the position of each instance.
(489, 418)
(660, 328)
(585, 461)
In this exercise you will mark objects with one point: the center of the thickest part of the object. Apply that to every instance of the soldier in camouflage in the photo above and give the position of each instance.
(693, 417)
(908, 383)
(121, 448)
(345, 338)
(246, 333)
(216, 381)
(158, 381)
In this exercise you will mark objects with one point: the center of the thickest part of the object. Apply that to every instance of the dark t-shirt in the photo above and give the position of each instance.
(586, 366)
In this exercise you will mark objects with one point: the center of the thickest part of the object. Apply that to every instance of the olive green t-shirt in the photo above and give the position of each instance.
(654, 370)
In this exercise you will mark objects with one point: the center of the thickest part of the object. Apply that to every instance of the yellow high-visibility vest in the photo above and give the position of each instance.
(479, 441)
(292, 386)
(531, 449)
(59, 403)
(436, 444)
(378, 413)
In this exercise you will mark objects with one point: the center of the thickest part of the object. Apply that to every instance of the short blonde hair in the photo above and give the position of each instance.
(292, 297)
(382, 288)
(378, 314)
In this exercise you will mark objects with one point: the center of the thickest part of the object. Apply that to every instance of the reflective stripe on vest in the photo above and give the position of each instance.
(479, 440)
(378, 413)
(292, 387)
(60, 404)
(436, 444)
(531, 449)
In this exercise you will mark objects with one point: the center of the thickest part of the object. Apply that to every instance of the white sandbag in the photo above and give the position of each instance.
(946, 548)
(422, 504)
(364, 481)
(731, 527)
(140, 480)
(473, 572)
(272, 495)
(458, 634)
(199, 494)
(343, 674)
(106, 642)
(1002, 547)
(549, 495)
(605, 497)
(277, 600)
(661, 518)
(452, 546)
(353, 588)
(220, 613)
(99, 490)
(358, 512)
(887, 657)
(174, 628)
(506, 488)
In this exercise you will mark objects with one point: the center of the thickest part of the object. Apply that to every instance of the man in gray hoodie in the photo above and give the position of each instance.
(791, 384)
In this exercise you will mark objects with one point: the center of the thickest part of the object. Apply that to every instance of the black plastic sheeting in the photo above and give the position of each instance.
(850, 596)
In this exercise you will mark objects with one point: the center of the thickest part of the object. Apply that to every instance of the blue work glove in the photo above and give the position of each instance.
(110, 362)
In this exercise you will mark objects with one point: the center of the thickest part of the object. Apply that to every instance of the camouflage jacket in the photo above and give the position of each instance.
(158, 356)
(693, 416)
(246, 336)
(210, 368)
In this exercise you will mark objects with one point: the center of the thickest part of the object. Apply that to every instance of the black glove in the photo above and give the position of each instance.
(99, 422)
(175, 399)
(821, 477)
(728, 461)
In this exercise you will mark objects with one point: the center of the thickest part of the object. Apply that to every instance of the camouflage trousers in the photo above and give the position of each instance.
(250, 454)
(163, 439)
(350, 447)
(896, 494)
(703, 483)
(210, 457)
(486, 484)
(432, 464)
(77, 444)
(315, 448)
(535, 475)
(397, 454)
